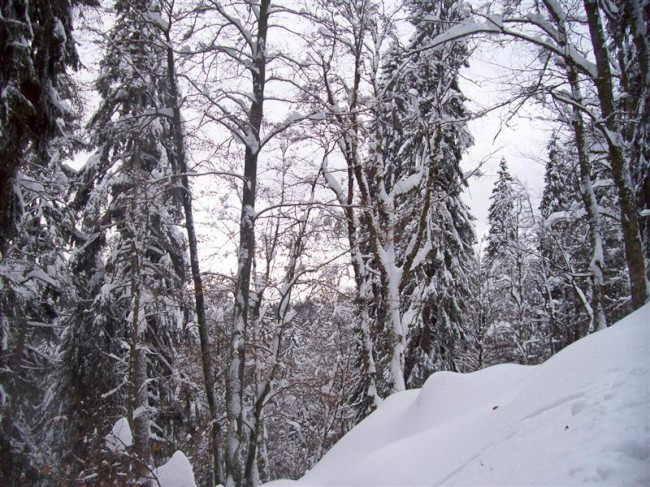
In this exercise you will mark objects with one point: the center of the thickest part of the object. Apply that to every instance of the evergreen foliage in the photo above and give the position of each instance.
(432, 110)
(563, 248)
(37, 113)
(119, 352)
(509, 264)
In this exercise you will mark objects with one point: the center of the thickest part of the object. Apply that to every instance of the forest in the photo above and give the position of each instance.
(232, 228)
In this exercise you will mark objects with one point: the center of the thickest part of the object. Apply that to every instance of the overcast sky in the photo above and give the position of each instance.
(522, 141)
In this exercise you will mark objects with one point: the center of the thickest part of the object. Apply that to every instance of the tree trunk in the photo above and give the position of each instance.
(591, 207)
(589, 200)
(620, 167)
(361, 278)
(138, 414)
(199, 300)
(639, 19)
(235, 376)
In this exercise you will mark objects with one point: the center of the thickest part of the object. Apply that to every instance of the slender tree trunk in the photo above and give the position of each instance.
(382, 241)
(199, 300)
(639, 19)
(363, 292)
(138, 411)
(620, 167)
(235, 376)
(348, 144)
(372, 399)
(266, 387)
(597, 264)
(591, 207)
(396, 334)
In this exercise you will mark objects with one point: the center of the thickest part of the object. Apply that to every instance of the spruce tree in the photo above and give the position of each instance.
(120, 357)
(564, 250)
(422, 130)
(501, 214)
(508, 258)
(37, 113)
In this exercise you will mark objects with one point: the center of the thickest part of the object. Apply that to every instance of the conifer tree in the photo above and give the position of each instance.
(508, 258)
(501, 214)
(419, 143)
(37, 101)
(120, 357)
(563, 248)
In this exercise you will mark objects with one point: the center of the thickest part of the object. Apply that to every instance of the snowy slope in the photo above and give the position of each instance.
(581, 418)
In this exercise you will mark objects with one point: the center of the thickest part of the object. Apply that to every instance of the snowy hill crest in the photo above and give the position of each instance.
(581, 418)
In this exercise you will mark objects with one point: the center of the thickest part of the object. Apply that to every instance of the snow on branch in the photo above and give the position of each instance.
(496, 24)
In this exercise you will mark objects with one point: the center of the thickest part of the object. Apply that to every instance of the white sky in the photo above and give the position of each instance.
(522, 141)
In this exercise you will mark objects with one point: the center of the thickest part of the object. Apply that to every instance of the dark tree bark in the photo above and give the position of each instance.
(245, 255)
(620, 169)
(199, 299)
(586, 188)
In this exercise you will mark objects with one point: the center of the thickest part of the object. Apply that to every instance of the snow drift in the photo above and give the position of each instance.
(582, 417)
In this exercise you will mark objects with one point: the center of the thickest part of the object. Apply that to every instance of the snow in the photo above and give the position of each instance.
(39, 274)
(251, 142)
(318, 115)
(177, 472)
(406, 185)
(59, 31)
(581, 418)
(121, 437)
(157, 19)
(325, 32)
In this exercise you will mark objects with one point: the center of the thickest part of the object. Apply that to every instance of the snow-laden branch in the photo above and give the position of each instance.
(496, 24)
(245, 33)
(406, 185)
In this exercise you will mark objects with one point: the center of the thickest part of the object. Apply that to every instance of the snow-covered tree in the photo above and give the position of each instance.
(37, 112)
(411, 235)
(563, 249)
(501, 214)
(611, 128)
(574, 49)
(119, 352)
(351, 34)
(425, 131)
(627, 31)
(509, 253)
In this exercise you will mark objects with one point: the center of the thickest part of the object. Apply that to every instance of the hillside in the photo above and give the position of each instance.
(581, 418)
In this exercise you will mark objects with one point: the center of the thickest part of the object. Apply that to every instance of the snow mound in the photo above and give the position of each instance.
(120, 438)
(581, 418)
(177, 472)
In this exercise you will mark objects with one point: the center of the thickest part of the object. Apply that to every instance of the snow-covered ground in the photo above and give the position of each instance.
(581, 418)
